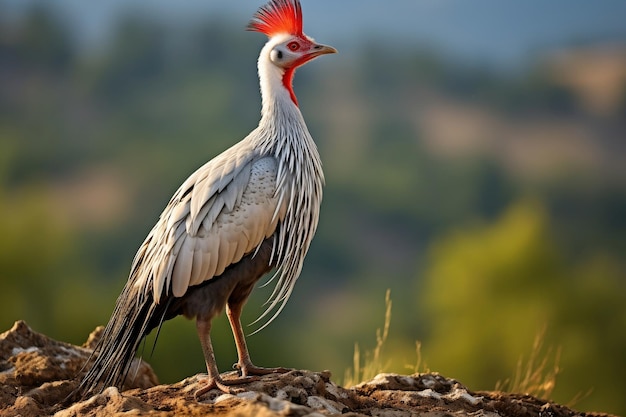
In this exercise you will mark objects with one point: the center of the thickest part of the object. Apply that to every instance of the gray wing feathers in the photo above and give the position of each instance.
(227, 170)
(221, 212)
(183, 267)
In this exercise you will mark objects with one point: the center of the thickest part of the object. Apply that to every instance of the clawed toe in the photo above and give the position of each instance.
(223, 385)
(210, 384)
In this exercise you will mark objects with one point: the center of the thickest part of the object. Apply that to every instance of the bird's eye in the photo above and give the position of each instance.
(294, 46)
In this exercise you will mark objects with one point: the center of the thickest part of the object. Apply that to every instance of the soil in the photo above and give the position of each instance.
(37, 373)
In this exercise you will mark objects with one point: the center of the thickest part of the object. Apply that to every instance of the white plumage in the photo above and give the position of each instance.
(223, 211)
(250, 209)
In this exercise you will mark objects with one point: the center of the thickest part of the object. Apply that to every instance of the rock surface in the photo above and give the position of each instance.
(37, 373)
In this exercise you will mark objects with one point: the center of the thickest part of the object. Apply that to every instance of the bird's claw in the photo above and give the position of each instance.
(223, 385)
(211, 384)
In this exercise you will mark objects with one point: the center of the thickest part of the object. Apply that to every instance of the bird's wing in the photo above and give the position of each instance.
(223, 211)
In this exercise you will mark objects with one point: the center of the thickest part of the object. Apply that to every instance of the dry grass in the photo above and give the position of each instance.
(372, 364)
(419, 366)
(537, 375)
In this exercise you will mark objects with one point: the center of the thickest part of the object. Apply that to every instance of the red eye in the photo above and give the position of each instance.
(294, 46)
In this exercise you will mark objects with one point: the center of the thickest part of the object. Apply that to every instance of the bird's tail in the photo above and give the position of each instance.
(110, 362)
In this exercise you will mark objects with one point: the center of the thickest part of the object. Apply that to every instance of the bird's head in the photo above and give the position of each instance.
(288, 47)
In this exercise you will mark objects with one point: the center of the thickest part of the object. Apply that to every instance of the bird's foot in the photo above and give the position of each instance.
(223, 385)
(250, 369)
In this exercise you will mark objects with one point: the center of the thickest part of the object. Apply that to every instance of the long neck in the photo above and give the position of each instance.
(276, 93)
(281, 119)
(282, 131)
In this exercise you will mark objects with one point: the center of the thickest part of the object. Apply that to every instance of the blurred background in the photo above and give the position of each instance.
(475, 156)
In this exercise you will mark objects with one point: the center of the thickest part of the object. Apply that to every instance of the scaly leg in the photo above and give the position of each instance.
(245, 365)
(214, 380)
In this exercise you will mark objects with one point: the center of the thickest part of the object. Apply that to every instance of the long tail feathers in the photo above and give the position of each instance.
(131, 320)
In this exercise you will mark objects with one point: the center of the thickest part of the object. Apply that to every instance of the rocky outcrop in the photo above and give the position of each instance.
(38, 373)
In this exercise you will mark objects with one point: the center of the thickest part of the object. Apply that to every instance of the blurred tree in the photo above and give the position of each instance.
(43, 281)
(42, 41)
(490, 289)
(137, 56)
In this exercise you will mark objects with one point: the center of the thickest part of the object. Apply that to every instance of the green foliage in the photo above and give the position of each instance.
(487, 268)
(490, 289)
(43, 282)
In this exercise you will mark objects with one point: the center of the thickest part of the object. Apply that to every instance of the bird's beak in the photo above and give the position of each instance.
(313, 52)
(318, 49)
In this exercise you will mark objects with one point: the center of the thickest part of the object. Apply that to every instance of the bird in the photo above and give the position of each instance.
(250, 210)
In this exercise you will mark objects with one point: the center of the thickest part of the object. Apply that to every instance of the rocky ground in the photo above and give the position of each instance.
(37, 373)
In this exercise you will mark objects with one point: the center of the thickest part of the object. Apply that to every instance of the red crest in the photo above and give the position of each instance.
(278, 16)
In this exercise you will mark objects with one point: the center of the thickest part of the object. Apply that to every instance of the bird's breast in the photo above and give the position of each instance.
(252, 219)
(262, 184)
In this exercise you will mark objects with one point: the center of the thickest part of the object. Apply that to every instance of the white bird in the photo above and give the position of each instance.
(251, 209)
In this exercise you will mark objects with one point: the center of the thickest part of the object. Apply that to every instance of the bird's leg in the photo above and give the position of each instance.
(203, 326)
(214, 380)
(245, 365)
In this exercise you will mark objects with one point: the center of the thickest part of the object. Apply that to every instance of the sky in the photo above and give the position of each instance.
(503, 32)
